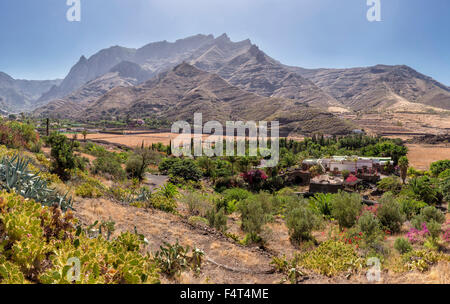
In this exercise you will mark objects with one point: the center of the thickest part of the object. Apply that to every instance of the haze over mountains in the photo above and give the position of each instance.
(19, 95)
(241, 65)
(380, 86)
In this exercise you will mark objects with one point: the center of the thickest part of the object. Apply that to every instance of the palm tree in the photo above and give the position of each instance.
(403, 164)
(84, 133)
(232, 160)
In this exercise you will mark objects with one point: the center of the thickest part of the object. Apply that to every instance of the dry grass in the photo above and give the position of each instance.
(421, 156)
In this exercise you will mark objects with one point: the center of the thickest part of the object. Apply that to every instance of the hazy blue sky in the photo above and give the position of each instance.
(37, 42)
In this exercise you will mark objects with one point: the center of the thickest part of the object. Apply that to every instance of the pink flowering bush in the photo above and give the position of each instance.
(372, 209)
(446, 234)
(418, 236)
(254, 178)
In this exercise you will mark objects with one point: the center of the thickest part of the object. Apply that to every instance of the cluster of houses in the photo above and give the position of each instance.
(339, 172)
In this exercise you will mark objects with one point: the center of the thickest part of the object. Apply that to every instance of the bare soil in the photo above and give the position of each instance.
(402, 125)
(421, 156)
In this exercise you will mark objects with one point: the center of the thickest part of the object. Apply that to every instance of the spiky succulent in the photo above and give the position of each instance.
(15, 176)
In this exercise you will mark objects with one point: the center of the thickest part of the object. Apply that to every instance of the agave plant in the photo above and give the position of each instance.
(321, 203)
(15, 176)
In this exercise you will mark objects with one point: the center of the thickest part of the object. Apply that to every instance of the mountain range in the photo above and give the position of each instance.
(18, 95)
(121, 80)
(184, 90)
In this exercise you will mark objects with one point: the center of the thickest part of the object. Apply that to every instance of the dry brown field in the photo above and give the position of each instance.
(133, 140)
(421, 156)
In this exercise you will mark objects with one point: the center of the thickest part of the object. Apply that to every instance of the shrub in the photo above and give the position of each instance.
(423, 189)
(430, 219)
(186, 169)
(390, 184)
(237, 194)
(418, 236)
(108, 165)
(198, 221)
(332, 258)
(390, 213)
(427, 215)
(18, 135)
(322, 204)
(231, 197)
(421, 260)
(300, 221)
(161, 202)
(445, 174)
(444, 186)
(402, 245)
(198, 204)
(435, 229)
(345, 208)
(173, 259)
(88, 190)
(134, 166)
(273, 184)
(369, 225)
(217, 219)
(438, 167)
(415, 173)
(166, 164)
(411, 207)
(254, 178)
(255, 213)
(100, 151)
(224, 183)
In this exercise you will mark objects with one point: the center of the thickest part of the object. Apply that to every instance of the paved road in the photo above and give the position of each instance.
(155, 181)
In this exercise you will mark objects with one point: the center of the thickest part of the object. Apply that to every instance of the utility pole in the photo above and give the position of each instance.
(47, 130)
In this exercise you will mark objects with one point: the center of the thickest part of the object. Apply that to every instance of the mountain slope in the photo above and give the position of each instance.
(18, 95)
(154, 57)
(256, 72)
(241, 63)
(185, 90)
(379, 87)
(123, 74)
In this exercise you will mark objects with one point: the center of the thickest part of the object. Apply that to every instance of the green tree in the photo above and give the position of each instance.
(84, 133)
(62, 155)
(140, 160)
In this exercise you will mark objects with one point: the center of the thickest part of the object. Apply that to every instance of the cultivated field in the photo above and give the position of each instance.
(133, 140)
(421, 156)
(401, 125)
(130, 140)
